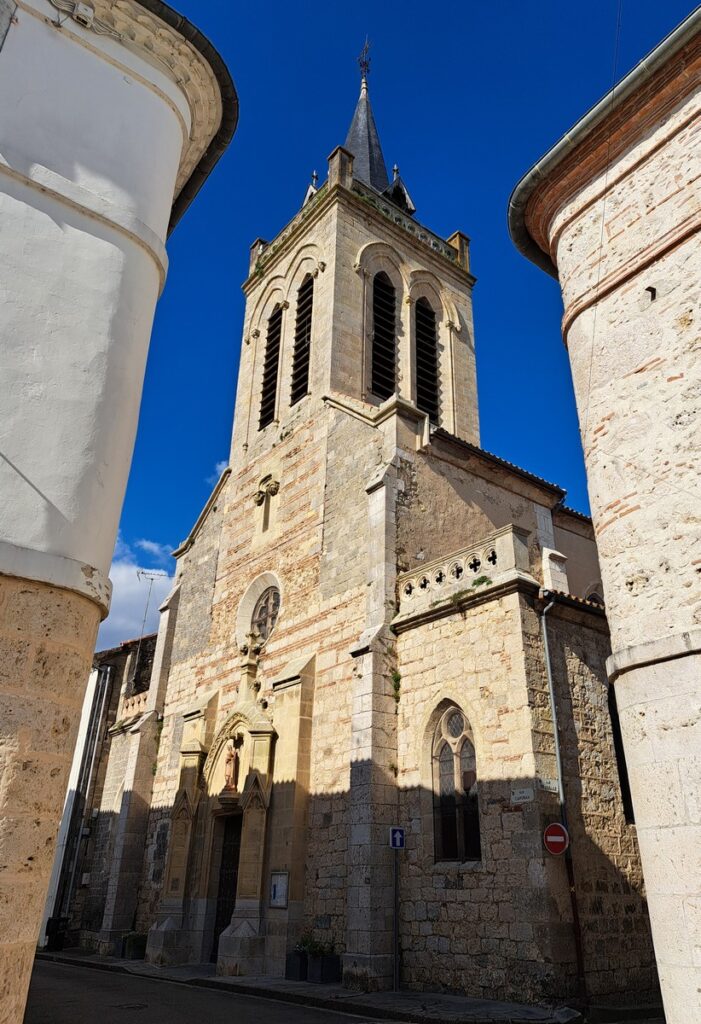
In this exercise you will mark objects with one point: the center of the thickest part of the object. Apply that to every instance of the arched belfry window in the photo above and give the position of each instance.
(303, 340)
(270, 368)
(426, 358)
(455, 804)
(383, 372)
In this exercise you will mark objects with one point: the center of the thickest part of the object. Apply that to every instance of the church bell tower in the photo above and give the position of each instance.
(357, 350)
(358, 345)
(356, 300)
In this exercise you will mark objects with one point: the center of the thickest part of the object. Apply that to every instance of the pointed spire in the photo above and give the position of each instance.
(362, 139)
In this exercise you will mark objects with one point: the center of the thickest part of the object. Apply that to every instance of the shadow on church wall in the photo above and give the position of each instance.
(499, 928)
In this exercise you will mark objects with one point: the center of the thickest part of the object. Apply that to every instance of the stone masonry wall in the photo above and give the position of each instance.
(46, 640)
(103, 827)
(452, 500)
(495, 928)
(636, 370)
(618, 954)
(502, 927)
(315, 618)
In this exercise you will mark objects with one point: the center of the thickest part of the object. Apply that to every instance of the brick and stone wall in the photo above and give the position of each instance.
(332, 501)
(503, 926)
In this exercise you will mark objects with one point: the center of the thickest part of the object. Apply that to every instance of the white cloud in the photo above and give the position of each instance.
(159, 552)
(130, 595)
(219, 468)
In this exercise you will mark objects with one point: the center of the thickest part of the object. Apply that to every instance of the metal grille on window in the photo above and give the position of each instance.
(266, 612)
(426, 359)
(384, 337)
(303, 338)
(270, 369)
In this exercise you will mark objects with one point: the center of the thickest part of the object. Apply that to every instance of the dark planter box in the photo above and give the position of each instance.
(324, 970)
(56, 928)
(134, 947)
(296, 966)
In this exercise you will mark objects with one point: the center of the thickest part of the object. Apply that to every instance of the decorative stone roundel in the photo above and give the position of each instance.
(265, 613)
(259, 609)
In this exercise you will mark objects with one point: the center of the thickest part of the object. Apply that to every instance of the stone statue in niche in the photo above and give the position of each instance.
(232, 763)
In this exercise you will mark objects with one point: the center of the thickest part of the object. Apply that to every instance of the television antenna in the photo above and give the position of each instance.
(151, 575)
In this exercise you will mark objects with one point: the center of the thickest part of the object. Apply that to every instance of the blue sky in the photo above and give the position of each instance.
(466, 97)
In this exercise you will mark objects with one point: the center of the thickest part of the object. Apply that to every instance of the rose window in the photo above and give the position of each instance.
(266, 612)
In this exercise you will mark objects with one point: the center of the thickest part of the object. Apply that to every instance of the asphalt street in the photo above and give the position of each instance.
(62, 994)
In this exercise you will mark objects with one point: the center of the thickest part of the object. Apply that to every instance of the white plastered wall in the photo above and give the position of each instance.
(91, 137)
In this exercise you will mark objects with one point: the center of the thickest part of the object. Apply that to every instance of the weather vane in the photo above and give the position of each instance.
(364, 59)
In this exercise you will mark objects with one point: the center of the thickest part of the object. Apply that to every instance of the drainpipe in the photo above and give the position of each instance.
(548, 596)
(84, 785)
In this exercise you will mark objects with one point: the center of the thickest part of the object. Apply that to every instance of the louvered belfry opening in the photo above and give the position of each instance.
(384, 337)
(270, 368)
(303, 340)
(426, 359)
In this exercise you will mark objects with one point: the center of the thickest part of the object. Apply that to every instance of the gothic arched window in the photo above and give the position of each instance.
(455, 804)
(426, 358)
(265, 613)
(303, 340)
(270, 368)
(383, 374)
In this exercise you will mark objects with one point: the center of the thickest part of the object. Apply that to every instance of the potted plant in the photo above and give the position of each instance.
(323, 964)
(296, 961)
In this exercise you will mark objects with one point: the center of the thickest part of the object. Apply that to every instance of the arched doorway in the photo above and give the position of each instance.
(229, 841)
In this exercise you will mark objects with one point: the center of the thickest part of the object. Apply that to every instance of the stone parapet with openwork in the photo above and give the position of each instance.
(491, 560)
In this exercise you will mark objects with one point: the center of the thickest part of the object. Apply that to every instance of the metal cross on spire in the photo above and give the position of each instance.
(364, 59)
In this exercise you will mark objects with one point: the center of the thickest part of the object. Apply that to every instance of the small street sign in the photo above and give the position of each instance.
(556, 838)
(522, 794)
(396, 838)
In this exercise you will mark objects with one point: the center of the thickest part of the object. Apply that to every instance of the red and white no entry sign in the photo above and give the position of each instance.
(556, 838)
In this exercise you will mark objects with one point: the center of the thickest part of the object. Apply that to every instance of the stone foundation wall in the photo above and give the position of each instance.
(47, 636)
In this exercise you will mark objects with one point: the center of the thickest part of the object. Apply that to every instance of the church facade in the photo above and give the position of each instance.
(360, 634)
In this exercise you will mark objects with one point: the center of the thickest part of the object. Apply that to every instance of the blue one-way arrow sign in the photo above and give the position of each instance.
(396, 838)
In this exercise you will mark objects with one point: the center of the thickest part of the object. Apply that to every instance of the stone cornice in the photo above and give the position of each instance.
(630, 122)
(667, 648)
(56, 571)
(285, 241)
(518, 583)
